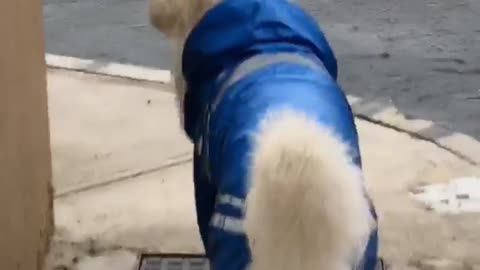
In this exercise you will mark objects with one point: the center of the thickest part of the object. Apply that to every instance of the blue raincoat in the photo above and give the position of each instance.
(245, 57)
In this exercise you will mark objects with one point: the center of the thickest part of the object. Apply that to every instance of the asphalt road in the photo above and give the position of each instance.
(423, 56)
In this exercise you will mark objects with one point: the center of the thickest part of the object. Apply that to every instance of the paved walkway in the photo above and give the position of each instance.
(122, 174)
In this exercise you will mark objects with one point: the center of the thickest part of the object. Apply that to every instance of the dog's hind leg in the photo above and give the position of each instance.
(307, 208)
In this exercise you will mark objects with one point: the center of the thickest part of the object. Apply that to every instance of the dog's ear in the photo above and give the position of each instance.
(175, 18)
(167, 16)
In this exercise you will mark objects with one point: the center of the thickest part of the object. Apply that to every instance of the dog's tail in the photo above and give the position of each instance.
(307, 207)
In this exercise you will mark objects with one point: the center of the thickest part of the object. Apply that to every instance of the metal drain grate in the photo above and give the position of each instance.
(173, 262)
(191, 262)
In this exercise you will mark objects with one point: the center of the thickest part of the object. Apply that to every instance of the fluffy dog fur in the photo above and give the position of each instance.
(175, 19)
(321, 220)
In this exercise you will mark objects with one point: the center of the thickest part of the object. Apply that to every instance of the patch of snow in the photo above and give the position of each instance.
(461, 195)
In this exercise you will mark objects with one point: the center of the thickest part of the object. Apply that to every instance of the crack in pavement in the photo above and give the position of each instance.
(186, 157)
(175, 161)
(418, 136)
(90, 247)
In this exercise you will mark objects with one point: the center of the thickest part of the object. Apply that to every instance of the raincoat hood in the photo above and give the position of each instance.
(235, 30)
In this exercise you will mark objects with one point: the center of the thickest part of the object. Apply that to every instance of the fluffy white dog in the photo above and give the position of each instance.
(278, 183)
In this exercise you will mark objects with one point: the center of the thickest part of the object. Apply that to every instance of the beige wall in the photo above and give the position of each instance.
(25, 193)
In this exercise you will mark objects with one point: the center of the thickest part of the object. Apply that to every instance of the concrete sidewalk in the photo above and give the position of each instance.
(122, 173)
